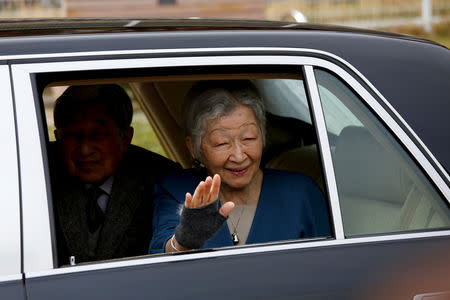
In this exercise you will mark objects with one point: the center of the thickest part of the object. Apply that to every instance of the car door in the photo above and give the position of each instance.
(11, 284)
(342, 266)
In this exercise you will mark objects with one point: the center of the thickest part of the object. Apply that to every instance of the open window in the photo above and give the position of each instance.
(157, 96)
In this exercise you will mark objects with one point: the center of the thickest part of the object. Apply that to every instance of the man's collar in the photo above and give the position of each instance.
(106, 186)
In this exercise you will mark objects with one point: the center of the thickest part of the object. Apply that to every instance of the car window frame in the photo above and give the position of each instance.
(10, 225)
(38, 262)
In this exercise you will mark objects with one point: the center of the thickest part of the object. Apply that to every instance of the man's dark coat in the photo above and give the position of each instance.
(127, 229)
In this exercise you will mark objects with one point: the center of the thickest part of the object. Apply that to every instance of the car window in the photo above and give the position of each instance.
(380, 187)
(291, 141)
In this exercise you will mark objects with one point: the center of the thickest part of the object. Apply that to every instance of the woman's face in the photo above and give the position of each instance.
(232, 147)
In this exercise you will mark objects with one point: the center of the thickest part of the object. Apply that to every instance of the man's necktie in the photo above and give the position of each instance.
(95, 215)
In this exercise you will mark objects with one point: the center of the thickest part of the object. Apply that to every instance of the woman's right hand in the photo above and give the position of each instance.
(206, 193)
(199, 219)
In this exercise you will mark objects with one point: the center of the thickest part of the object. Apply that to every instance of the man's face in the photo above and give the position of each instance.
(92, 145)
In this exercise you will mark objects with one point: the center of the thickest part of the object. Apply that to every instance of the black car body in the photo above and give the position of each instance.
(388, 198)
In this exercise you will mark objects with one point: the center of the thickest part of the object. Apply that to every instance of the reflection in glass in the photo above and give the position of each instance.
(381, 189)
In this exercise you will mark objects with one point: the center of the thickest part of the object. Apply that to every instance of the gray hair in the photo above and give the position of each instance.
(210, 100)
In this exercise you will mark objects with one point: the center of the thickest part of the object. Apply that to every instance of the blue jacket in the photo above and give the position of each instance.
(291, 206)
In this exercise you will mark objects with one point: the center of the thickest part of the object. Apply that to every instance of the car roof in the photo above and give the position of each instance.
(411, 73)
(28, 36)
(55, 26)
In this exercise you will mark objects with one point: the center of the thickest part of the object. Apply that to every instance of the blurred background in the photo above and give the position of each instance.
(425, 18)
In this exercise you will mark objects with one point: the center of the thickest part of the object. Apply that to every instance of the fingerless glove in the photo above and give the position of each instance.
(197, 225)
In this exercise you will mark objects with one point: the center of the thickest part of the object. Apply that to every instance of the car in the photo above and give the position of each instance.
(363, 113)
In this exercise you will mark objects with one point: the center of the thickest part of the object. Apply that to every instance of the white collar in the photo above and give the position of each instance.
(106, 186)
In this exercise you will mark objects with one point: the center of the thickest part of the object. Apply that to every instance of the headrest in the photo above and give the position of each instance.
(365, 169)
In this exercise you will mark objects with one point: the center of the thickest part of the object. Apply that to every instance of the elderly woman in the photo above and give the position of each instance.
(228, 199)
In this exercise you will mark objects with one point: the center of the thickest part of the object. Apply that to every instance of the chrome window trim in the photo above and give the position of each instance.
(40, 259)
(150, 260)
(316, 107)
(10, 237)
(187, 51)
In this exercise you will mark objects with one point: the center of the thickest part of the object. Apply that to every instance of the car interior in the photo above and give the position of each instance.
(160, 98)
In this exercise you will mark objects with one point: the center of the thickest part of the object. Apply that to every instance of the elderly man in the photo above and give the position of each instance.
(102, 185)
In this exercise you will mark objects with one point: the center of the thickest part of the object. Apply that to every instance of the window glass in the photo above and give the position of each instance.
(380, 187)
